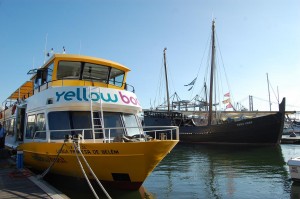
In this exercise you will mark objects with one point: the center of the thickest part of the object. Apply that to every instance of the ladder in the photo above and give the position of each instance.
(97, 118)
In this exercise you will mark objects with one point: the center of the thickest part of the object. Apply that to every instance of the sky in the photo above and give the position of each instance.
(255, 38)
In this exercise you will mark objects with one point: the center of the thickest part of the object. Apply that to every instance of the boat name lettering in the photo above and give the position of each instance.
(48, 159)
(72, 151)
(82, 95)
(89, 152)
(244, 123)
(111, 151)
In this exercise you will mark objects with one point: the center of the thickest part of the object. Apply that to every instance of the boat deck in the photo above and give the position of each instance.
(22, 183)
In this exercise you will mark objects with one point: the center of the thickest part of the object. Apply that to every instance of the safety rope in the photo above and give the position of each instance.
(76, 147)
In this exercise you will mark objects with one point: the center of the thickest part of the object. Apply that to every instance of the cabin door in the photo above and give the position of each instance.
(20, 123)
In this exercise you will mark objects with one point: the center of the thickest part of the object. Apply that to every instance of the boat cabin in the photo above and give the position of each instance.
(72, 95)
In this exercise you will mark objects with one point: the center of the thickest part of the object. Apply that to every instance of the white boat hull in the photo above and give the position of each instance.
(294, 168)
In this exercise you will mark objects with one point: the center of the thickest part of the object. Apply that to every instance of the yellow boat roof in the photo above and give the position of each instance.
(90, 59)
(22, 90)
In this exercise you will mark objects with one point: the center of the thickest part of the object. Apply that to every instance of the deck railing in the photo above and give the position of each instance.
(107, 135)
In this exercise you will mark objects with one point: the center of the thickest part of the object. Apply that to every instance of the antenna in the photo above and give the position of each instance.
(50, 53)
(45, 53)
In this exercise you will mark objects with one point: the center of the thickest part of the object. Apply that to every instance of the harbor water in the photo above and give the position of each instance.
(208, 171)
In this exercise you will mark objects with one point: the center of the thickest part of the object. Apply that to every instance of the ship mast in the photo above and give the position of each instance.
(211, 73)
(166, 77)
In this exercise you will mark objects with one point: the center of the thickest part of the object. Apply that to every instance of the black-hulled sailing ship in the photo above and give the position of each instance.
(265, 129)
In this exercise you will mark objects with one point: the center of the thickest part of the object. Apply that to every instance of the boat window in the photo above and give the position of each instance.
(112, 120)
(116, 77)
(7, 125)
(40, 130)
(10, 127)
(82, 120)
(30, 128)
(130, 120)
(89, 71)
(50, 71)
(68, 70)
(95, 72)
(63, 123)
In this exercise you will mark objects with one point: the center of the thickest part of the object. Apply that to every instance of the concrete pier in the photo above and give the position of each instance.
(22, 183)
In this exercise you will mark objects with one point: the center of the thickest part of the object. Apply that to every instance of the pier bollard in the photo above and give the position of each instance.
(19, 159)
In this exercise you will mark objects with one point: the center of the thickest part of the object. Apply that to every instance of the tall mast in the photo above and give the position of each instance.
(205, 90)
(269, 92)
(166, 77)
(211, 73)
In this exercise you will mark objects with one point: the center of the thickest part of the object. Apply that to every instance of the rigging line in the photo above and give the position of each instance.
(170, 76)
(274, 93)
(204, 53)
(45, 53)
(218, 78)
(219, 50)
(264, 100)
(158, 91)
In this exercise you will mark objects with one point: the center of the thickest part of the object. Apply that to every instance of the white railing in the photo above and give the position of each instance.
(115, 134)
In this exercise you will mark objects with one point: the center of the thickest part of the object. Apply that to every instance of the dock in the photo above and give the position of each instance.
(22, 183)
(286, 139)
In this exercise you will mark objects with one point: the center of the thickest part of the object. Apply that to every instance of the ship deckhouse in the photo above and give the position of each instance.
(71, 92)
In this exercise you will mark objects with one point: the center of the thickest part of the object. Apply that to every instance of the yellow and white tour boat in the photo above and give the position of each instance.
(78, 117)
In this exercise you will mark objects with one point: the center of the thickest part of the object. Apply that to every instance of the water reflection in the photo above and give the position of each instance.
(207, 171)
(295, 190)
(78, 189)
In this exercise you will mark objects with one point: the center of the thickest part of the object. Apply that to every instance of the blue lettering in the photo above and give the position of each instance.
(69, 95)
(109, 98)
(59, 95)
(78, 94)
(97, 96)
(84, 95)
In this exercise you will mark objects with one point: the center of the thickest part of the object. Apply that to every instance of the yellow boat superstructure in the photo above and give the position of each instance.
(78, 108)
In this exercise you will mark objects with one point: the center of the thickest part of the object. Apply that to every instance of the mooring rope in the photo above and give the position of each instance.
(88, 181)
(91, 170)
(56, 158)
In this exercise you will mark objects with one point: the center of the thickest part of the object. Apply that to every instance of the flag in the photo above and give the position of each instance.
(227, 94)
(192, 82)
(226, 101)
(229, 106)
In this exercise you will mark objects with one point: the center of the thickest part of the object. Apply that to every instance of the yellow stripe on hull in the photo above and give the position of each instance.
(125, 162)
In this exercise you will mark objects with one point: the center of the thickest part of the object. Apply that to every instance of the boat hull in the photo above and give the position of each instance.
(263, 130)
(121, 165)
(294, 168)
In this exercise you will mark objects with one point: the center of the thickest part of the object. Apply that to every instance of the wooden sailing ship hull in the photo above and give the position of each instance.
(264, 130)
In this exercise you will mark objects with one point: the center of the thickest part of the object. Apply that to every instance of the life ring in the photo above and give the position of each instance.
(13, 109)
